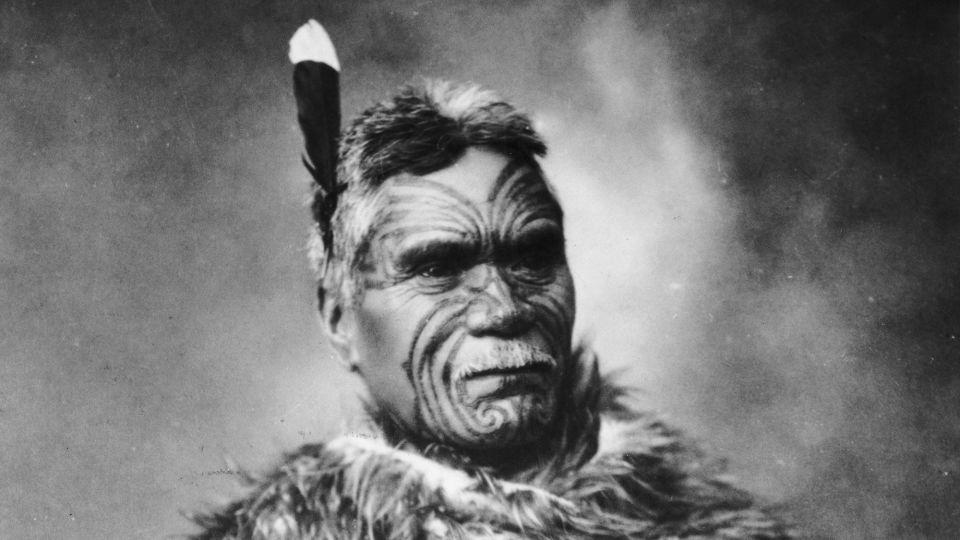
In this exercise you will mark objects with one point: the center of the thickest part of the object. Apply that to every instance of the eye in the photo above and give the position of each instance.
(539, 253)
(439, 269)
(540, 259)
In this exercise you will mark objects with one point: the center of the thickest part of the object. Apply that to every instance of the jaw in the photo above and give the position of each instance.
(493, 393)
(530, 414)
(574, 424)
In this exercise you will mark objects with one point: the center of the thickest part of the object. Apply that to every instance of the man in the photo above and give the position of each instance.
(444, 285)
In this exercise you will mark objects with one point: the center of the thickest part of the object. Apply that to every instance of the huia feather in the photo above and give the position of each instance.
(612, 473)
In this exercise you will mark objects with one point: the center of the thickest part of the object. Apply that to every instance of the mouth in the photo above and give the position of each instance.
(535, 367)
(507, 379)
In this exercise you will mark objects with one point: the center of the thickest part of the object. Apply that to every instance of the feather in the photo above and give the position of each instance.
(312, 43)
(316, 86)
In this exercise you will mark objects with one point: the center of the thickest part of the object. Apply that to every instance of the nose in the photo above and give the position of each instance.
(494, 308)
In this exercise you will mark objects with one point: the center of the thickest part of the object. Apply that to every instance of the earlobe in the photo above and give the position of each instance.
(339, 326)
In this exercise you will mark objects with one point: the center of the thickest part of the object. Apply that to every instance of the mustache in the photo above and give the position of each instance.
(506, 357)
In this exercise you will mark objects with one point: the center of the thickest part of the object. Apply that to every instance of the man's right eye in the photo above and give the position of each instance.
(438, 269)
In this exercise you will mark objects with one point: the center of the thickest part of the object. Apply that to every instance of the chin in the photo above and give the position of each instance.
(512, 420)
(492, 395)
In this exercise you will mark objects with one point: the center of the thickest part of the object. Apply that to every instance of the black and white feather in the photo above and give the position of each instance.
(316, 86)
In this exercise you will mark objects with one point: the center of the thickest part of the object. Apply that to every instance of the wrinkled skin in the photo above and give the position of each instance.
(463, 325)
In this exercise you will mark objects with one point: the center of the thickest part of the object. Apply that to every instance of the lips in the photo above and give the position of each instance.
(512, 369)
(534, 367)
(502, 386)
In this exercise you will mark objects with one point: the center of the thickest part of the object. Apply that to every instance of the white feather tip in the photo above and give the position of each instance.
(312, 43)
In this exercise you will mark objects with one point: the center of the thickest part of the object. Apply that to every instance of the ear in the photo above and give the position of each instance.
(340, 327)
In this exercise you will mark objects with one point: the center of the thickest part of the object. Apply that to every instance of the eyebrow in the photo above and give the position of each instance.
(547, 235)
(435, 249)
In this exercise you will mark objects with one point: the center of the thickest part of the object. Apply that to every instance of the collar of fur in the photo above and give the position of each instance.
(612, 472)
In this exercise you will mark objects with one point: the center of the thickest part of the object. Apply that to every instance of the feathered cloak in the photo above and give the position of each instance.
(612, 473)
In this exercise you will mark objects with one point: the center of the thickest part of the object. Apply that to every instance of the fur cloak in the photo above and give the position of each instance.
(613, 473)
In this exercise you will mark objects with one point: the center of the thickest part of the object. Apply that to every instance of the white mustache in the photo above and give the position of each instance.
(509, 355)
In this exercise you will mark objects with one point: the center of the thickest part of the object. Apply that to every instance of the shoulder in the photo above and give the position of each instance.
(618, 473)
(274, 501)
(654, 481)
(364, 488)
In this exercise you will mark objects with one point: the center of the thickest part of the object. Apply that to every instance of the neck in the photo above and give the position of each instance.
(516, 461)
(506, 462)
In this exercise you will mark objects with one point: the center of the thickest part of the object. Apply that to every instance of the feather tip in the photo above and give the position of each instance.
(312, 43)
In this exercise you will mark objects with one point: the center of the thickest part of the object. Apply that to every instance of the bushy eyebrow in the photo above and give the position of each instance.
(549, 233)
(540, 239)
(413, 255)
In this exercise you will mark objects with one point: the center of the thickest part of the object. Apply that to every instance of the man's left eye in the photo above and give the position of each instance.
(538, 258)
(536, 261)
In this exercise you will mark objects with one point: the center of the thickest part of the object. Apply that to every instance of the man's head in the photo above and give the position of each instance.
(447, 286)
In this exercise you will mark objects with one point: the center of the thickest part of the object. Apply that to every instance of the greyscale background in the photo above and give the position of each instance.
(763, 211)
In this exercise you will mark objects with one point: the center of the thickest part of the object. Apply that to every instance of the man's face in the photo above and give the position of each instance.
(463, 327)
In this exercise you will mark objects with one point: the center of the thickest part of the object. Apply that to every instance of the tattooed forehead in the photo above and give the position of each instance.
(416, 209)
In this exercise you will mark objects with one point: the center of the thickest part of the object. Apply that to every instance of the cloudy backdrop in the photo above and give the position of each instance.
(763, 214)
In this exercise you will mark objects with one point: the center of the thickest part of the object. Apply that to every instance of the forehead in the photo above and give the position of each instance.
(474, 176)
(482, 190)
